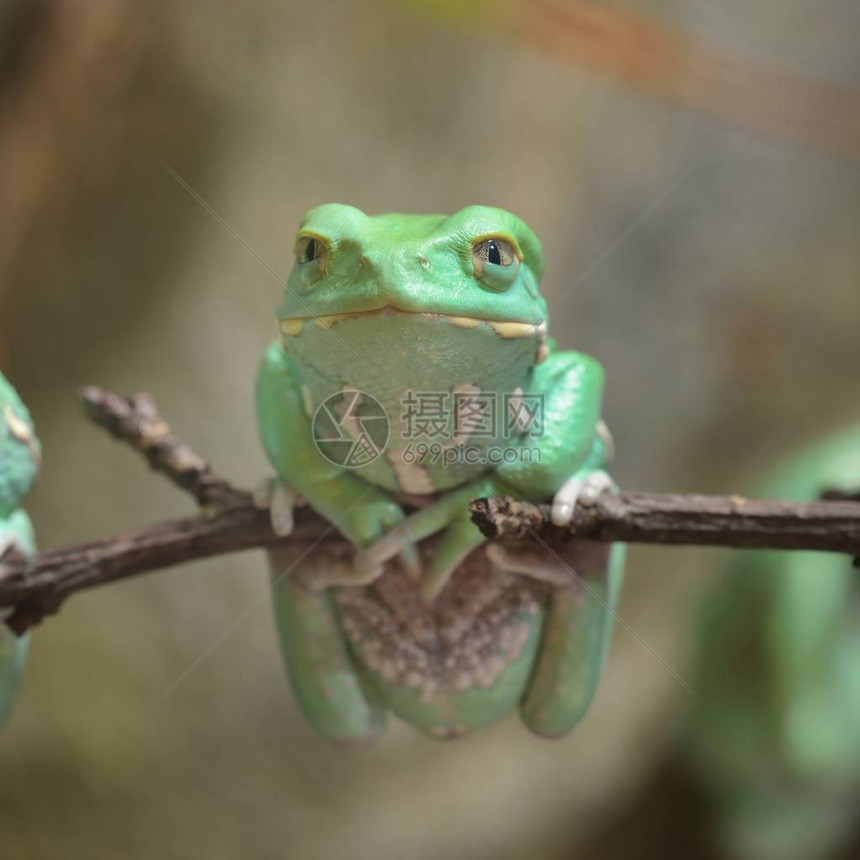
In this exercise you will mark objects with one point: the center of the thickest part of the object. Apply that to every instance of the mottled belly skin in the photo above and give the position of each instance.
(456, 667)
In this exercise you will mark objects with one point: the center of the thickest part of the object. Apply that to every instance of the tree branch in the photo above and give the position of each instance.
(231, 521)
(728, 521)
(135, 420)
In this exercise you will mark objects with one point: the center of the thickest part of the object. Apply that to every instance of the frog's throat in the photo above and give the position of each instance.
(504, 328)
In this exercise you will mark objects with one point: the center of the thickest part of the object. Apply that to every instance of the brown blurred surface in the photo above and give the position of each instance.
(726, 320)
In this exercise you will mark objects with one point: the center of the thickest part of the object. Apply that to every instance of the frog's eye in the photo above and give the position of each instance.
(311, 249)
(498, 252)
(496, 263)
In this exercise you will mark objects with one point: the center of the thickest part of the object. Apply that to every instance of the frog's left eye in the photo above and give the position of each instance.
(311, 249)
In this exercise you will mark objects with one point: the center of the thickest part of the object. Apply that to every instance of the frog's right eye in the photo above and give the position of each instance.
(310, 249)
(496, 262)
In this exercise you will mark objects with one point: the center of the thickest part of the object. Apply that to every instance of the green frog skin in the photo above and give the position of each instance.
(421, 617)
(19, 463)
(776, 732)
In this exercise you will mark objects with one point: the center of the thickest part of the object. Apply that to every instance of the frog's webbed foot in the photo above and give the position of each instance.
(583, 490)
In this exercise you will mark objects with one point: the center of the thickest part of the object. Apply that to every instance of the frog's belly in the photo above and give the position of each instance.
(444, 391)
(457, 667)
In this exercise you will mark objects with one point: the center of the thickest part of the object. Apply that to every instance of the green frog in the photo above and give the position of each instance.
(413, 373)
(19, 462)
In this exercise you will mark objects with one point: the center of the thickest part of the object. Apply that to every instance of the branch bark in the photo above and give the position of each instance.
(674, 519)
(231, 520)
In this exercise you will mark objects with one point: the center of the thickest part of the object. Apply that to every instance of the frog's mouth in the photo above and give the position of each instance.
(503, 328)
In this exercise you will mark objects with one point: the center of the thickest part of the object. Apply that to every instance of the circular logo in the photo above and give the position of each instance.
(351, 428)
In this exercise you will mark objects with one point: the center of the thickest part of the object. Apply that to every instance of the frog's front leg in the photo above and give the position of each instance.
(568, 450)
(362, 512)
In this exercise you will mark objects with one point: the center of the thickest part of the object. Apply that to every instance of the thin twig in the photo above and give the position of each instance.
(135, 420)
(232, 521)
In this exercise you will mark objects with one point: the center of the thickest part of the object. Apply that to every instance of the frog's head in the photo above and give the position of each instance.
(480, 264)
(19, 449)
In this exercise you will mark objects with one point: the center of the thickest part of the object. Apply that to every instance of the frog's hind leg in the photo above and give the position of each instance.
(321, 670)
(585, 579)
(15, 532)
(13, 654)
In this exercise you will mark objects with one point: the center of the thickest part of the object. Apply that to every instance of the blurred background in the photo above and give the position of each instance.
(726, 319)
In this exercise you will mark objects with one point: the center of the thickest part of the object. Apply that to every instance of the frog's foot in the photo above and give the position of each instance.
(281, 500)
(578, 490)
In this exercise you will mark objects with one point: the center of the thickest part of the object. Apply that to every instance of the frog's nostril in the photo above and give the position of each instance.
(364, 261)
(425, 262)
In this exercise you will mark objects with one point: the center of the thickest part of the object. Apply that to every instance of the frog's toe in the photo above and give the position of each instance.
(282, 501)
(577, 490)
(8, 544)
(565, 500)
(594, 486)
